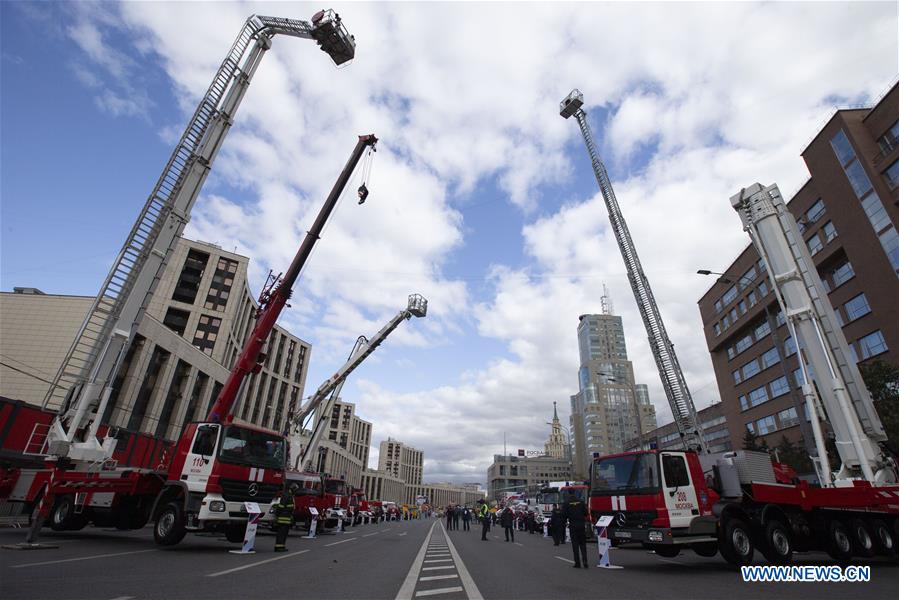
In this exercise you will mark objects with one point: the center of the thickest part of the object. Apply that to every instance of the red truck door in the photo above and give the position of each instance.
(678, 489)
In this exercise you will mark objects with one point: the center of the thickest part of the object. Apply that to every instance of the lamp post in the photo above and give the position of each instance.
(807, 436)
(611, 378)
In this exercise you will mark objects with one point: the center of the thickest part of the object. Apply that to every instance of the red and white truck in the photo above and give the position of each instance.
(737, 502)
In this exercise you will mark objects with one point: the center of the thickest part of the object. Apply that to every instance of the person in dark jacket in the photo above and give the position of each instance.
(557, 525)
(575, 512)
(508, 521)
(466, 519)
(448, 513)
(531, 522)
(283, 510)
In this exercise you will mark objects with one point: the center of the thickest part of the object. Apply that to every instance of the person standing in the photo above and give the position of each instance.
(466, 519)
(575, 512)
(508, 521)
(557, 525)
(484, 514)
(449, 517)
(283, 510)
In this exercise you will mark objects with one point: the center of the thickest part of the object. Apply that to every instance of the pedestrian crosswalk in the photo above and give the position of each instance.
(438, 571)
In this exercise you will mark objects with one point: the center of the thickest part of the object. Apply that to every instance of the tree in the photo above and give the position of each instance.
(751, 442)
(882, 380)
(795, 456)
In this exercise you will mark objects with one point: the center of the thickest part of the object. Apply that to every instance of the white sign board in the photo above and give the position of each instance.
(314, 511)
(604, 521)
(252, 507)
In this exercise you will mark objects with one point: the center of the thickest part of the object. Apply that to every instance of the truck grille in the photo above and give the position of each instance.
(235, 490)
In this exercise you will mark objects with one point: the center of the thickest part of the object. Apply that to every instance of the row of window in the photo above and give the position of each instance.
(742, 307)
(731, 294)
(766, 425)
(815, 243)
(764, 393)
(758, 333)
(756, 366)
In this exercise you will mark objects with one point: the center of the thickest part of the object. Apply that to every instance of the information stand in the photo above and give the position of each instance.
(313, 524)
(603, 543)
(249, 538)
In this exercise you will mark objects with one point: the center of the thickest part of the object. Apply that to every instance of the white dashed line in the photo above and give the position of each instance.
(340, 542)
(438, 591)
(257, 563)
(565, 559)
(65, 560)
(436, 577)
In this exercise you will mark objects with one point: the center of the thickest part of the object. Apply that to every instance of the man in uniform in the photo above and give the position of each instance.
(283, 510)
(575, 512)
(466, 519)
(557, 525)
(484, 514)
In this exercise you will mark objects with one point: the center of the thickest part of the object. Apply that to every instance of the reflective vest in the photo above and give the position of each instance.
(283, 510)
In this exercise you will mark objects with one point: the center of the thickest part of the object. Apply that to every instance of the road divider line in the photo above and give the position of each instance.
(436, 577)
(340, 542)
(438, 591)
(371, 534)
(436, 560)
(405, 592)
(471, 590)
(565, 559)
(257, 563)
(65, 560)
(436, 568)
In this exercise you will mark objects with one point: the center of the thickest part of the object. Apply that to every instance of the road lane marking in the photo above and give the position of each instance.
(65, 560)
(257, 563)
(408, 586)
(518, 544)
(402, 534)
(471, 590)
(449, 590)
(340, 542)
(371, 534)
(436, 568)
(436, 577)
(124, 598)
(565, 559)
(437, 560)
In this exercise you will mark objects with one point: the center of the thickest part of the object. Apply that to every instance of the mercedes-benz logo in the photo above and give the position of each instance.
(620, 519)
(253, 489)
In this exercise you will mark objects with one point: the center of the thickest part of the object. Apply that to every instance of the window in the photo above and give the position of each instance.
(207, 332)
(765, 426)
(872, 344)
(859, 179)
(779, 387)
(752, 299)
(889, 239)
(875, 211)
(789, 346)
(191, 274)
(797, 377)
(758, 396)
(815, 212)
(204, 440)
(176, 320)
(857, 307)
(762, 330)
(788, 418)
(742, 307)
(726, 321)
(814, 244)
(769, 358)
(737, 377)
(842, 148)
(718, 305)
(220, 288)
(751, 369)
(731, 352)
(890, 139)
(892, 174)
(744, 404)
(714, 422)
(763, 289)
(830, 232)
(733, 315)
(842, 274)
(780, 319)
(674, 468)
(717, 328)
(729, 296)
(748, 275)
(743, 343)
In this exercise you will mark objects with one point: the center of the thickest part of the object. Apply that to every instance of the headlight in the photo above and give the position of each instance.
(655, 536)
(217, 506)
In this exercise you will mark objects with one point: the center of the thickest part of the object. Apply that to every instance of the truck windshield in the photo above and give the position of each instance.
(579, 493)
(551, 497)
(335, 486)
(249, 447)
(635, 473)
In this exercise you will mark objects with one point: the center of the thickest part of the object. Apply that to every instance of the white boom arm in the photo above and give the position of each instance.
(417, 307)
(83, 384)
(822, 349)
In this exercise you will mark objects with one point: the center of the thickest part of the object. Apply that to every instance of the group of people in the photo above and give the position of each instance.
(455, 513)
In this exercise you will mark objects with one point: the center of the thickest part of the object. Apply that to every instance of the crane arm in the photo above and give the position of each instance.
(82, 385)
(682, 407)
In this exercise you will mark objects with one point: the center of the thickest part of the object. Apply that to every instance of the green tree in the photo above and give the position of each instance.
(751, 442)
(795, 456)
(882, 380)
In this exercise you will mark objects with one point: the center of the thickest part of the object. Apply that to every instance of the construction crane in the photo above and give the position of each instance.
(682, 407)
(417, 307)
(825, 355)
(82, 386)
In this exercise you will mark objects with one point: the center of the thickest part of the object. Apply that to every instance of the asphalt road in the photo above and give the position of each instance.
(416, 559)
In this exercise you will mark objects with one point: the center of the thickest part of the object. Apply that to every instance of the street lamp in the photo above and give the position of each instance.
(633, 389)
(781, 351)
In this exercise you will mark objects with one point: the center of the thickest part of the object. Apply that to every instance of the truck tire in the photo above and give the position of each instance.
(234, 532)
(169, 527)
(63, 517)
(735, 543)
(777, 543)
(839, 545)
(666, 551)
(862, 539)
(706, 549)
(883, 538)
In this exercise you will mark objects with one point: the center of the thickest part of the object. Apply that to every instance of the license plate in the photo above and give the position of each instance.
(622, 534)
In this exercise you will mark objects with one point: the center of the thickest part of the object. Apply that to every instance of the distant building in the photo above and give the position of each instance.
(848, 212)
(382, 486)
(557, 446)
(713, 422)
(401, 461)
(524, 474)
(602, 412)
(198, 318)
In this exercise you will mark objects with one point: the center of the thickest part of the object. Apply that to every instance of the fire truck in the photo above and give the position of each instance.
(359, 507)
(738, 502)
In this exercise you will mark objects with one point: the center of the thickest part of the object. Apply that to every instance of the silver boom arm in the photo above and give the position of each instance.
(82, 386)
(682, 407)
(417, 307)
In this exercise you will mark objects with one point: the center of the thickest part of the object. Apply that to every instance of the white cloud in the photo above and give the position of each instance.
(707, 97)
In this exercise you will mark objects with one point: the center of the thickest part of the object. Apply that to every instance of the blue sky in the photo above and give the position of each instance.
(482, 196)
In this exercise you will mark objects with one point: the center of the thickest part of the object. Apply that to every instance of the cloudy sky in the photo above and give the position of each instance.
(482, 196)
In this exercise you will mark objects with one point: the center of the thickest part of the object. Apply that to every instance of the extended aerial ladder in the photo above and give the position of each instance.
(330, 389)
(682, 407)
(81, 388)
(823, 351)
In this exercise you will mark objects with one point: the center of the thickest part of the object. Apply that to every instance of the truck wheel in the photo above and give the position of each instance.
(666, 551)
(839, 546)
(735, 543)
(778, 544)
(234, 532)
(62, 513)
(883, 538)
(706, 549)
(862, 540)
(169, 528)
